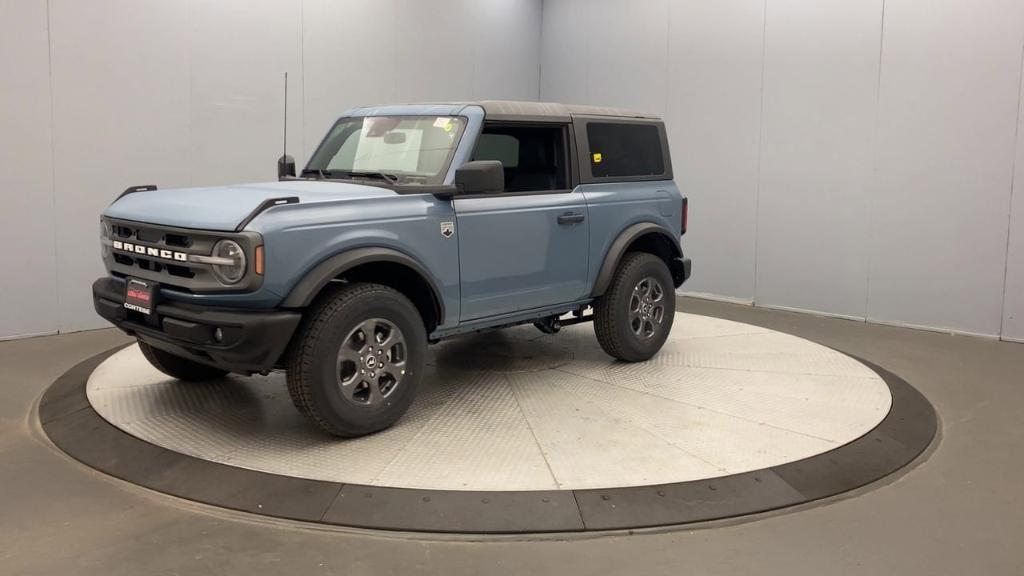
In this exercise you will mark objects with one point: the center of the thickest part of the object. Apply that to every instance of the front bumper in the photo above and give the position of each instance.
(253, 340)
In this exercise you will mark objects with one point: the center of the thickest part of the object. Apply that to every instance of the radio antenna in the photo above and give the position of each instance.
(284, 151)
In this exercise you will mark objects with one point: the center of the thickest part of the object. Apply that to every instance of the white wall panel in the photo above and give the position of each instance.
(627, 47)
(120, 81)
(349, 59)
(507, 49)
(28, 290)
(436, 46)
(367, 52)
(1013, 305)
(240, 50)
(947, 118)
(820, 94)
(713, 118)
(563, 52)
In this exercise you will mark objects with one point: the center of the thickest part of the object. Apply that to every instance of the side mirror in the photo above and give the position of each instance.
(285, 167)
(480, 177)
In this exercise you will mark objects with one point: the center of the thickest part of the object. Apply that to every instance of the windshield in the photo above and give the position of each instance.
(404, 150)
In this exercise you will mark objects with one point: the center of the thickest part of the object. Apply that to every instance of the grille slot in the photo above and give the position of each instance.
(177, 240)
(148, 235)
(180, 271)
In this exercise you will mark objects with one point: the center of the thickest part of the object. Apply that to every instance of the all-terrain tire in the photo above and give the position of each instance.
(616, 312)
(318, 364)
(178, 367)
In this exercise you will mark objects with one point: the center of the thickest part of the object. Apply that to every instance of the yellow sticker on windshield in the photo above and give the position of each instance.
(597, 157)
(442, 122)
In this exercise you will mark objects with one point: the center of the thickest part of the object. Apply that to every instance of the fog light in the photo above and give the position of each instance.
(218, 335)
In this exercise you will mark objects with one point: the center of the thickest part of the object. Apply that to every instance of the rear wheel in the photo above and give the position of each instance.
(178, 367)
(634, 316)
(357, 360)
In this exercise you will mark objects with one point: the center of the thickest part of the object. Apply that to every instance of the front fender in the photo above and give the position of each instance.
(303, 293)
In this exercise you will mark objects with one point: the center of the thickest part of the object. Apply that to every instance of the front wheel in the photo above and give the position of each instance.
(357, 359)
(634, 316)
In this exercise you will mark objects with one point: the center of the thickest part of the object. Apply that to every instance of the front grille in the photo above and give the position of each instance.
(162, 254)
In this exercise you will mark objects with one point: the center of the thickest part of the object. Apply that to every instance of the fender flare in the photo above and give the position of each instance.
(303, 293)
(618, 249)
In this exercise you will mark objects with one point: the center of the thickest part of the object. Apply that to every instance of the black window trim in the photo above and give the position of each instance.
(583, 149)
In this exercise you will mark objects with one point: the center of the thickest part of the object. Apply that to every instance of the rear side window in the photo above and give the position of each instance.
(625, 150)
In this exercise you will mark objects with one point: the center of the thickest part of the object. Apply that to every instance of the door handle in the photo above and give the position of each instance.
(571, 218)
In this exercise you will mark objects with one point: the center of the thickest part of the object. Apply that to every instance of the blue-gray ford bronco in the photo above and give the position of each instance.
(409, 224)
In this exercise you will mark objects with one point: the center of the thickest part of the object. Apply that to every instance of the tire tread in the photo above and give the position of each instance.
(607, 323)
(301, 357)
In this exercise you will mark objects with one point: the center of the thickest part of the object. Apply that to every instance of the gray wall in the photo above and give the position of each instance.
(104, 94)
(848, 157)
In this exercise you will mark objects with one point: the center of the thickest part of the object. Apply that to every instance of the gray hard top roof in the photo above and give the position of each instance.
(510, 110)
(552, 111)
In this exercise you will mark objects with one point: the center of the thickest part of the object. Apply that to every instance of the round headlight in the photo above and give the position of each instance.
(230, 250)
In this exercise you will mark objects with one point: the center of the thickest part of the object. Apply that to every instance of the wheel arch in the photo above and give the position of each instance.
(382, 265)
(641, 237)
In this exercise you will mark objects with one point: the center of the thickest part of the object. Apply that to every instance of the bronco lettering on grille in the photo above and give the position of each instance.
(150, 251)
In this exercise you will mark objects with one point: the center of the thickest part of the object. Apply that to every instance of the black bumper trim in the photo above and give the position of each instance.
(253, 340)
(680, 270)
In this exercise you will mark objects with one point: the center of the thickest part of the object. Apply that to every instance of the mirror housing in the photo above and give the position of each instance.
(480, 177)
(285, 167)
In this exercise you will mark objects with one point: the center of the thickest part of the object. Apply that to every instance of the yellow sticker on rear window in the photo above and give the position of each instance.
(597, 157)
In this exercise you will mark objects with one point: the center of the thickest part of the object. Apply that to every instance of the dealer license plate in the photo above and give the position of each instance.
(139, 295)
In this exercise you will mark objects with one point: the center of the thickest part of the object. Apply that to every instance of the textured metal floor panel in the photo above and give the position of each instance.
(518, 410)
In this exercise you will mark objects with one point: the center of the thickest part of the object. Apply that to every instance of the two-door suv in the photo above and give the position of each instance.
(409, 224)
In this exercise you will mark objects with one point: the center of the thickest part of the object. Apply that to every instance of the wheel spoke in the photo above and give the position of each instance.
(346, 354)
(656, 292)
(349, 390)
(659, 314)
(395, 338)
(374, 391)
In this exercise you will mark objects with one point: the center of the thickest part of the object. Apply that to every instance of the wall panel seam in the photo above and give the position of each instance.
(57, 320)
(760, 143)
(1013, 183)
(872, 189)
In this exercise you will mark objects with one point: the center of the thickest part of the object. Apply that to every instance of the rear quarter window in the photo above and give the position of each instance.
(619, 150)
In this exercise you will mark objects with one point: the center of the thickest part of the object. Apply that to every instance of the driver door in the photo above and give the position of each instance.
(527, 247)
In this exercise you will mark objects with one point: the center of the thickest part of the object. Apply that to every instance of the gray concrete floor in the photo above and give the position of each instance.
(960, 511)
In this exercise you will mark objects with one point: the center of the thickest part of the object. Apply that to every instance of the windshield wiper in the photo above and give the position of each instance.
(392, 178)
(323, 174)
(319, 173)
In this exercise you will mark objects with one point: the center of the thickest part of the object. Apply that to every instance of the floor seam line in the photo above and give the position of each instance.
(643, 428)
(659, 396)
(874, 377)
(533, 433)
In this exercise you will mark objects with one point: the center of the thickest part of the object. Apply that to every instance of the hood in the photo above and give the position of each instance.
(224, 207)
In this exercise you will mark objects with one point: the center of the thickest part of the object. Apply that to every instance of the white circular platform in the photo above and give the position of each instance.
(518, 410)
